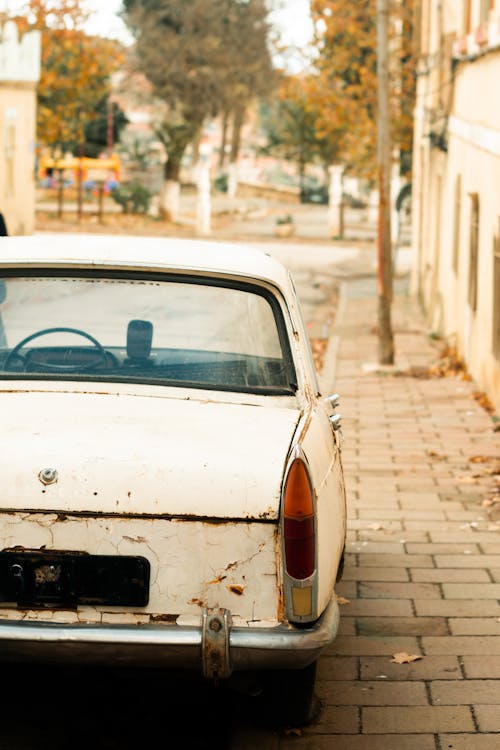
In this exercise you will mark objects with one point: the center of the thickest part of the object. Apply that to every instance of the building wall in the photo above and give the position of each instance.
(19, 72)
(459, 98)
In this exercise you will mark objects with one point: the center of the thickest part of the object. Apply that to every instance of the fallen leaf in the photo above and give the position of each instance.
(343, 600)
(375, 526)
(293, 730)
(481, 459)
(404, 658)
(487, 502)
(470, 479)
(437, 456)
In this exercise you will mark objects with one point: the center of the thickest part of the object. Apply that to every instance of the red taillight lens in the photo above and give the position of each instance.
(298, 526)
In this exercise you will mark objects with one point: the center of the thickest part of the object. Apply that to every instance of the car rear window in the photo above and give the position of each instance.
(172, 331)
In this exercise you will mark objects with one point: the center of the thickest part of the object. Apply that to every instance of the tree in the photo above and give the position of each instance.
(97, 131)
(75, 73)
(344, 89)
(202, 57)
(293, 126)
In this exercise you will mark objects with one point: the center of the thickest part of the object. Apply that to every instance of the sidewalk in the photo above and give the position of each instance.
(423, 567)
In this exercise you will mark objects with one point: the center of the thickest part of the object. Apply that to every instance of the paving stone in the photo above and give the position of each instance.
(487, 645)
(457, 608)
(363, 573)
(456, 536)
(450, 575)
(366, 646)
(473, 591)
(382, 668)
(474, 625)
(396, 548)
(481, 668)
(443, 549)
(425, 719)
(403, 561)
(374, 607)
(473, 741)
(363, 742)
(485, 692)
(387, 590)
(466, 561)
(402, 626)
(377, 693)
(488, 718)
(490, 549)
(337, 720)
(338, 668)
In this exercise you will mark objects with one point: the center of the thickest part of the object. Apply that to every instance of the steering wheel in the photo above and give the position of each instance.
(103, 355)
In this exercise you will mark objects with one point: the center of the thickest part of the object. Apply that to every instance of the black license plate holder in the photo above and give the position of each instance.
(46, 578)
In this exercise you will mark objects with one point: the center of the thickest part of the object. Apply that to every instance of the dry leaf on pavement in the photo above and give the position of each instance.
(343, 600)
(404, 658)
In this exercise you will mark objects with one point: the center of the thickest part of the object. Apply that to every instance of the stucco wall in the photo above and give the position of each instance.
(19, 72)
(443, 225)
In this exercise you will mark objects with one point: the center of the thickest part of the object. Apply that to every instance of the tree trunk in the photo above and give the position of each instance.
(170, 193)
(223, 140)
(238, 118)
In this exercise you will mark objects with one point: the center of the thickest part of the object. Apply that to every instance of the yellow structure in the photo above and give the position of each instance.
(91, 169)
(19, 74)
(456, 181)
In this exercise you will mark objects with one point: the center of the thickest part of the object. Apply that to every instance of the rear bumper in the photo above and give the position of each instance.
(169, 646)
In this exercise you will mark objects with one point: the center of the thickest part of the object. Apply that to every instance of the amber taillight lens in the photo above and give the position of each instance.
(298, 522)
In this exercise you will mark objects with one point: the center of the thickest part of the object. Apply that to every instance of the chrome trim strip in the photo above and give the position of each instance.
(250, 648)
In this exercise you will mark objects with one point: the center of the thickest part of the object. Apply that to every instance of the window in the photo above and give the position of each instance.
(456, 222)
(496, 294)
(473, 250)
(175, 332)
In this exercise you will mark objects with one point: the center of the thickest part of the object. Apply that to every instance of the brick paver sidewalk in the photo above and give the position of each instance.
(423, 569)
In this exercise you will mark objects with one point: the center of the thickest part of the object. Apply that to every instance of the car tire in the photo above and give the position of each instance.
(288, 696)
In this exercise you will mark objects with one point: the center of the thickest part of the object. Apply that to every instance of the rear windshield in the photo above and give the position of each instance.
(166, 331)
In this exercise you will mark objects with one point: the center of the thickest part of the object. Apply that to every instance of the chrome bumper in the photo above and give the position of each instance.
(169, 646)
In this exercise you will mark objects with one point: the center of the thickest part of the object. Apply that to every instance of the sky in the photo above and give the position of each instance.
(292, 19)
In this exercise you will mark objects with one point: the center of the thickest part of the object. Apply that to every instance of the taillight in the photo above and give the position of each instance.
(298, 522)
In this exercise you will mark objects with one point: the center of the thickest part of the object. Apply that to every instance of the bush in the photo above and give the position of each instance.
(133, 197)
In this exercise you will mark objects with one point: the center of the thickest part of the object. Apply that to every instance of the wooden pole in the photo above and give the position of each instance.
(384, 244)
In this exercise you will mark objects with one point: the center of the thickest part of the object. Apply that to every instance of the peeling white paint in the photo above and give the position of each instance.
(193, 564)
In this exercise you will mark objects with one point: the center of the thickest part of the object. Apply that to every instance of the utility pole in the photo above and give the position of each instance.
(384, 243)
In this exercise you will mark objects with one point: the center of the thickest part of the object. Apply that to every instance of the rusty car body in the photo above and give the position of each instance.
(172, 485)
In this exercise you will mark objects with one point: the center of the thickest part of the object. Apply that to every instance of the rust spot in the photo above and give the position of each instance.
(196, 601)
(238, 590)
(163, 618)
(219, 579)
(61, 517)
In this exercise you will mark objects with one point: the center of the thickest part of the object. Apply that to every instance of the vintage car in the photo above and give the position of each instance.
(172, 491)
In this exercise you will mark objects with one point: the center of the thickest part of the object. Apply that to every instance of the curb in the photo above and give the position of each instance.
(329, 369)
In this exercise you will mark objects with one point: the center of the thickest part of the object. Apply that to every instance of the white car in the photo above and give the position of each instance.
(172, 491)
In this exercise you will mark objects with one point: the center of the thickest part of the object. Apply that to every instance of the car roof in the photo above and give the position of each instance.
(154, 253)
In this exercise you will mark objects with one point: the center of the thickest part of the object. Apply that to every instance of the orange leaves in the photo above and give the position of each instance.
(404, 658)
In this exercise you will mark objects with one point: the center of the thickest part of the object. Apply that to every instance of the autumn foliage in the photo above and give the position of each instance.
(75, 70)
(343, 88)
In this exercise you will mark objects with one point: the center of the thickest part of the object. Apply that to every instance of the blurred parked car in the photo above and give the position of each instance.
(172, 485)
